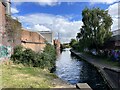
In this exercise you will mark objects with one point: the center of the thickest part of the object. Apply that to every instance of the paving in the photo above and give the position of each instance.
(83, 86)
(111, 74)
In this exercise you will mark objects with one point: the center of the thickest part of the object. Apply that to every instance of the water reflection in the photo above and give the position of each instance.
(73, 70)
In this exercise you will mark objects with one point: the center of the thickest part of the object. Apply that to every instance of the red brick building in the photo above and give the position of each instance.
(57, 44)
(2, 20)
(12, 34)
(33, 40)
(5, 46)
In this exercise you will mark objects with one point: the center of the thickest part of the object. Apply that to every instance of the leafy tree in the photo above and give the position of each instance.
(73, 42)
(96, 29)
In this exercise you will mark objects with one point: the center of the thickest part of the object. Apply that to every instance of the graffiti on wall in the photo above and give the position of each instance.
(5, 51)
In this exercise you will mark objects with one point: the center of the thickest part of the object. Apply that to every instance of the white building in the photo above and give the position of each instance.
(48, 35)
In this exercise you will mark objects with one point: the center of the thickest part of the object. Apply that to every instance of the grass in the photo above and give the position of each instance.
(111, 63)
(19, 76)
(105, 60)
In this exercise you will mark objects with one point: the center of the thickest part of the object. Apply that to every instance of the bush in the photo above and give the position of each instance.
(49, 54)
(17, 55)
(31, 58)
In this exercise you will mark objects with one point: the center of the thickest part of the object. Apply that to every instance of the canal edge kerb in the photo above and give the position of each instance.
(100, 70)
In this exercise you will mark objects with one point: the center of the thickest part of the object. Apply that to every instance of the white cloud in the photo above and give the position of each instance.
(113, 11)
(40, 2)
(14, 10)
(40, 28)
(57, 2)
(58, 24)
(103, 1)
(48, 2)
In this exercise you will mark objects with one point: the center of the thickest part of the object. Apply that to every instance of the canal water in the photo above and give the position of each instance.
(73, 70)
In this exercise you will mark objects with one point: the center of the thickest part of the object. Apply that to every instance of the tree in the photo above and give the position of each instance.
(73, 42)
(96, 29)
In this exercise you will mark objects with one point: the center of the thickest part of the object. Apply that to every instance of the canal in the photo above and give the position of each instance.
(73, 70)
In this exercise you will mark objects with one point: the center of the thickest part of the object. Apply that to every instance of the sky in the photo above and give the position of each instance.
(59, 16)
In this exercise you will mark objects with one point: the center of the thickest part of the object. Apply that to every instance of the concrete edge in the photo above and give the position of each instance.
(105, 77)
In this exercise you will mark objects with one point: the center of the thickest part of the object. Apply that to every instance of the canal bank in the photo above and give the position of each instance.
(110, 74)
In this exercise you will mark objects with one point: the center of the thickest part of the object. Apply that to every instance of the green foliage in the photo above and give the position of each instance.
(73, 42)
(18, 51)
(96, 29)
(76, 45)
(46, 59)
(50, 52)
(65, 45)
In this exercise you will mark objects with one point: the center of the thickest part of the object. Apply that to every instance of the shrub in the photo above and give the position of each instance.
(49, 54)
(17, 55)
(46, 59)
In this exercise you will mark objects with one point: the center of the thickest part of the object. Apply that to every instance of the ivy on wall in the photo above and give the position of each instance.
(13, 30)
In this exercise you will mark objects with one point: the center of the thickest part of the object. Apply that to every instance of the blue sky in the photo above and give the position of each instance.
(59, 17)
(63, 9)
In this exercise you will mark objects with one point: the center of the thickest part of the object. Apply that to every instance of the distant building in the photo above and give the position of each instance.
(114, 42)
(33, 40)
(48, 35)
(57, 44)
(116, 32)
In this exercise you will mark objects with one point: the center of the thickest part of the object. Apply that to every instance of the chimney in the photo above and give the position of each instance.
(8, 8)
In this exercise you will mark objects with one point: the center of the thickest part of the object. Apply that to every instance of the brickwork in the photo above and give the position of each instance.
(57, 44)
(2, 21)
(5, 49)
(33, 40)
(13, 32)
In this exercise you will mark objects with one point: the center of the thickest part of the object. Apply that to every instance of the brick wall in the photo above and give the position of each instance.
(33, 40)
(2, 21)
(5, 50)
(13, 32)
